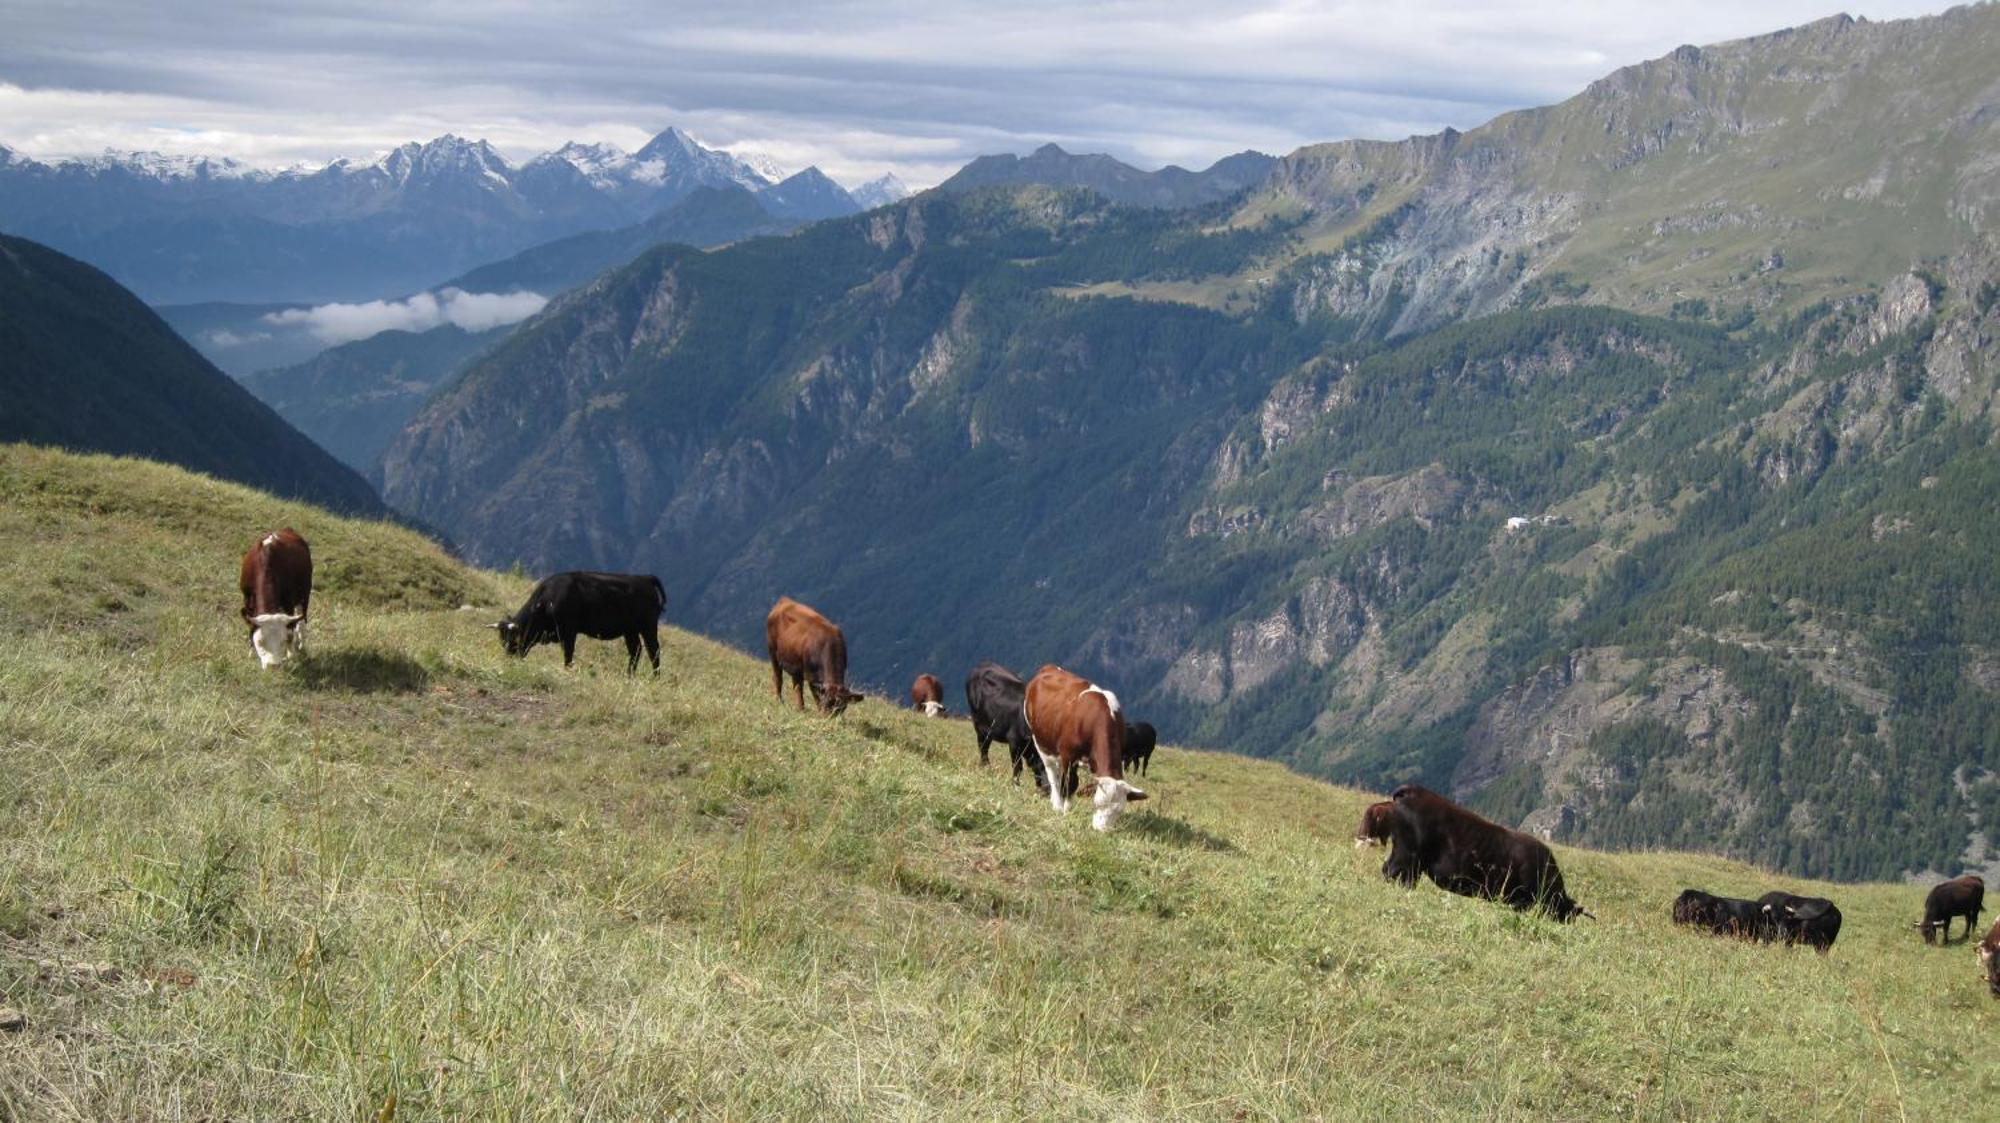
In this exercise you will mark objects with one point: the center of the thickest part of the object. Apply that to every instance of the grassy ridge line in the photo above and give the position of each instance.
(410, 868)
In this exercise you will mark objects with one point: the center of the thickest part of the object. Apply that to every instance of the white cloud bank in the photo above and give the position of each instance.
(334, 324)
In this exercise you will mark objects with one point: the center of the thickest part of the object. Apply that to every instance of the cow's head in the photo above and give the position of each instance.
(1561, 906)
(513, 637)
(273, 635)
(1990, 964)
(1374, 829)
(933, 709)
(1929, 930)
(1110, 800)
(523, 631)
(835, 698)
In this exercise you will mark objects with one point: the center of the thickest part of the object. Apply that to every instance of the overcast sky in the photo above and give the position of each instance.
(858, 87)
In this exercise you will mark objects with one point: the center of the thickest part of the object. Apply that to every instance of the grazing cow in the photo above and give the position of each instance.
(1989, 958)
(1812, 921)
(564, 606)
(1961, 896)
(1374, 828)
(994, 696)
(1071, 719)
(1140, 740)
(1724, 916)
(277, 582)
(1469, 855)
(927, 694)
(807, 646)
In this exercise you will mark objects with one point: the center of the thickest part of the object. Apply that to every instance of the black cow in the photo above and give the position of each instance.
(1140, 739)
(1812, 921)
(1961, 896)
(1725, 916)
(994, 695)
(1466, 854)
(599, 605)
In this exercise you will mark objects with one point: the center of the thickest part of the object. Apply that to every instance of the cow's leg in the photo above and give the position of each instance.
(799, 689)
(652, 638)
(631, 654)
(1051, 767)
(986, 742)
(777, 680)
(568, 639)
(1034, 762)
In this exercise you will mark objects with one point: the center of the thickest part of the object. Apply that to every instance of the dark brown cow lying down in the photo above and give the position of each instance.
(1464, 853)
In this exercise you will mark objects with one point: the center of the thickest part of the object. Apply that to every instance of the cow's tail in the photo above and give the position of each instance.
(660, 591)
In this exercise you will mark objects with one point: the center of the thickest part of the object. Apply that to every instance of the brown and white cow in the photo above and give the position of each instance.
(1374, 829)
(807, 646)
(277, 579)
(1989, 959)
(927, 694)
(1071, 718)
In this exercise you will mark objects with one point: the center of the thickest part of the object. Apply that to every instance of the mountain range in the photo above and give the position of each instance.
(1621, 466)
(185, 230)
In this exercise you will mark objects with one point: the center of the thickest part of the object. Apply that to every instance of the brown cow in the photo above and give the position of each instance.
(927, 694)
(1961, 896)
(814, 652)
(1374, 828)
(277, 581)
(1464, 853)
(1989, 958)
(1071, 719)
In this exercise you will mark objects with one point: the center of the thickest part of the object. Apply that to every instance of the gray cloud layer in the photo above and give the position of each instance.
(856, 86)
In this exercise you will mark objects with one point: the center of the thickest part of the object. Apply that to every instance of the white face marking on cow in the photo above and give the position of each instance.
(1112, 796)
(271, 637)
(1110, 699)
(933, 709)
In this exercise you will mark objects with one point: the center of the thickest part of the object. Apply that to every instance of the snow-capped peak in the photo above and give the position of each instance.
(447, 155)
(880, 191)
(167, 166)
(603, 165)
(763, 165)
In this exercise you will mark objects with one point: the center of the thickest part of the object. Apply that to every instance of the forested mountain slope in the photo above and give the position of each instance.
(85, 365)
(1424, 460)
(353, 399)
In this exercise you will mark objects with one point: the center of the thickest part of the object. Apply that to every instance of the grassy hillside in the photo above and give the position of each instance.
(408, 878)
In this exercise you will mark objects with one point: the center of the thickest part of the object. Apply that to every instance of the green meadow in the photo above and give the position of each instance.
(409, 878)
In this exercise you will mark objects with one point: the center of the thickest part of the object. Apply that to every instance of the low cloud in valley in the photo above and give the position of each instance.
(340, 323)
